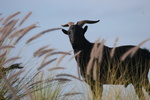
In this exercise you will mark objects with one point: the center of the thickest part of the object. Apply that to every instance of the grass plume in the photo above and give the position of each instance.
(11, 16)
(40, 34)
(25, 18)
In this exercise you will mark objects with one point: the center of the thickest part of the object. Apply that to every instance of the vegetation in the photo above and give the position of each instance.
(24, 82)
(94, 66)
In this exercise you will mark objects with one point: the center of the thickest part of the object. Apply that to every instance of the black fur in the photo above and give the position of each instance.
(80, 43)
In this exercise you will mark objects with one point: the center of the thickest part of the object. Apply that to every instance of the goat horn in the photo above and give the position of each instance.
(81, 23)
(68, 25)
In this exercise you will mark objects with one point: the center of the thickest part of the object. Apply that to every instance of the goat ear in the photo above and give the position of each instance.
(85, 29)
(64, 31)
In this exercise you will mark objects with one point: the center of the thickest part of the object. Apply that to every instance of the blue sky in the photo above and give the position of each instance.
(126, 19)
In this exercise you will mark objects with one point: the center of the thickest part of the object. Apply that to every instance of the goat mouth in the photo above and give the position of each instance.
(73, 42)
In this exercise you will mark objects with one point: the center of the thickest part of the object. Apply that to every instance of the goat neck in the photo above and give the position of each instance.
(83, 45)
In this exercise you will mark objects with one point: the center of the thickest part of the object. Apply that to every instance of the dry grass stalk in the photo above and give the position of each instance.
(56, 68)
(94, 49)
(75, 55)
(40, 34)
(64, 55)
(11, 59)
(15, 80)
(46, 63)
(1, 19)
(132, 50)
(11, 16)
(39, 54)
(98, 56)
(95, 72)
(16, 33)
(8, 29)
(68, 75)
(60, 52)
(9, 86)
(33, 38)
(42, 74)
(113, 49)
(49, 30)
(89, 66)
(44, 52)
(99, 53)
(26, 30)
(8, 24)
(15, 75)
(6, 47)
(71, 94)
(35, 83)
(39, 50)
(47, 55)
(27, 16)
(138, 46)
(3, 54)
(78, 70)
(96, 53)
(28, 92)
(35, 75)
(11, 23)
(59, 80)
(2, 30)
(125, 55)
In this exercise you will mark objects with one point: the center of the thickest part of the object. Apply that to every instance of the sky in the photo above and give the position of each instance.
(129, 20)
(126, 19)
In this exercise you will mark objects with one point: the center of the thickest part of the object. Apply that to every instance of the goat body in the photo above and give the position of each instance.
(137, 66)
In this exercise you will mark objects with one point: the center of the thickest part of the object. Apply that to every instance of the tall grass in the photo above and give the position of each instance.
(22, 82)
(94, 69)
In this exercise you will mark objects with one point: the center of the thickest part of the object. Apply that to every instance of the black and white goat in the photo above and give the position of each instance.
(137, 73)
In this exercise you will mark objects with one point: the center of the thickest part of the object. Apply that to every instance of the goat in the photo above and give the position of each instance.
(80, 43)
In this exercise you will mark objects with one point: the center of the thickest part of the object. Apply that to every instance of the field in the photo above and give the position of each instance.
(30, 82)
